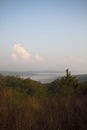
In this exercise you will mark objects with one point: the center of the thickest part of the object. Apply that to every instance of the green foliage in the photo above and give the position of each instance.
(65, 85)
(82, 88)
(29, 105)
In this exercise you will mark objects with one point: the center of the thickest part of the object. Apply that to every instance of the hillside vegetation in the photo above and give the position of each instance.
(29, 105)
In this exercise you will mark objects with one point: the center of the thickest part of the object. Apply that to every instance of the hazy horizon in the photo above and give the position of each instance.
(43, 35)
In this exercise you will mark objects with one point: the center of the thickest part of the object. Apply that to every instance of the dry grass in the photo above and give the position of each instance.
(20, 112)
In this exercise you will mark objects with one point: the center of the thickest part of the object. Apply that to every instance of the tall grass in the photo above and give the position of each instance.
(30, 105)
(21, 112)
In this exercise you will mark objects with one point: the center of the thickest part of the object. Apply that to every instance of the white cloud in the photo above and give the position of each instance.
(21, 56)
(39, 58)
(14, 57)
(21, 51)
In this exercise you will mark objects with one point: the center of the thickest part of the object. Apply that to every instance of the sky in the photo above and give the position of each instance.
(43, 35)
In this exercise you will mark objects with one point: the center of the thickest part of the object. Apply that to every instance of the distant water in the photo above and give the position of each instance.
(41, 76)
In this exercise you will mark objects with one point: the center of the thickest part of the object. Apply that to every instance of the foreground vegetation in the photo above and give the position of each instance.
(29, 105)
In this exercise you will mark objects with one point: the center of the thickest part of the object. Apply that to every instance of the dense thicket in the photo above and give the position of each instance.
(29, 105)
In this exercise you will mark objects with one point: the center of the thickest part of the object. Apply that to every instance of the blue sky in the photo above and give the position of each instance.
(43, 35)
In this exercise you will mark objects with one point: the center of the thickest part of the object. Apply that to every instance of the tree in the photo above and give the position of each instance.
(68, 73)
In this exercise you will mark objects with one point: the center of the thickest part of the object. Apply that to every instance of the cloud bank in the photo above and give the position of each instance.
(14, 57)
(39, 58)
(21, 54)
(20, 51)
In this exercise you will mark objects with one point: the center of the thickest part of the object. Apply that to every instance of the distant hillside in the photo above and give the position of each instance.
(82, 77)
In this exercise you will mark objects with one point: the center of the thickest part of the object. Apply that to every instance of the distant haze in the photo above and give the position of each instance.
(43, 35)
